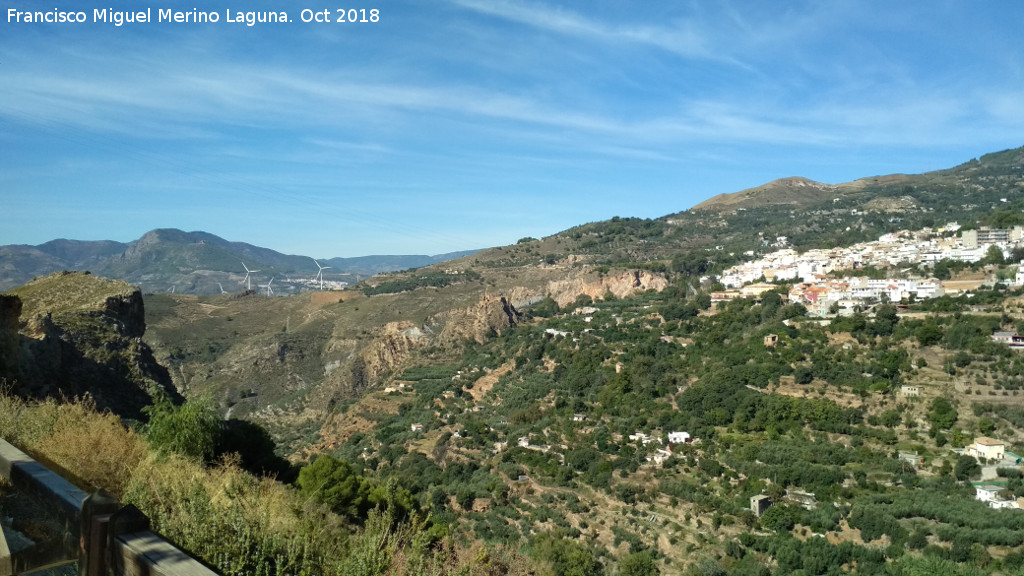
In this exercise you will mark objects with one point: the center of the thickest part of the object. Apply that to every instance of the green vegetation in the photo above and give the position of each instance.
(191, 430)
(235, 522)
(769, 420)
(419, 280)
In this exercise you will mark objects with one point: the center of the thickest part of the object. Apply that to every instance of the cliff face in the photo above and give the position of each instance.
(622, 286)
(389, 350)
(492, 314)
(129, 311)
(82, 336)
(10, 312)
(288, 363)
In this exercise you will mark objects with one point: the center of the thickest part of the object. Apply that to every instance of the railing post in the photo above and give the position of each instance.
(92, 551)
(125, 521)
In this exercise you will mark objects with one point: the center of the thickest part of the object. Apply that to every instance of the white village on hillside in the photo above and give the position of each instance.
(823, 295)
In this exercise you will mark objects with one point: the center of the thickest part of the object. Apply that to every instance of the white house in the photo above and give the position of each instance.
(989, 493)
(640, 437)
(989, 448)
(678, 437)
(659, 456)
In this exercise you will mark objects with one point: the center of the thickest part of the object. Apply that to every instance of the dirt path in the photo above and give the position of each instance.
(484, 384)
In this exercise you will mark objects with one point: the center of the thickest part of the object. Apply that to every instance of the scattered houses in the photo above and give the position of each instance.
(641, 437)
(806, 500)
(912, 458)
(679, 437)
(910, 391)
(659, 456)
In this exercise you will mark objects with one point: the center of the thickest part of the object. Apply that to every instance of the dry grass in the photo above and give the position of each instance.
(221, 513)
(92, 449)
(69, 292)
(233, 521)
(95, 448)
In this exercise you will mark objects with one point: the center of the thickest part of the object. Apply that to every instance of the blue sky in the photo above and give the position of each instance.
(456, 124)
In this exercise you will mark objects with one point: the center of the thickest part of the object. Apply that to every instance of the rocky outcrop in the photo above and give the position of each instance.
(621, 285)
(492, 314)
(129, 311)
(84, 338)
(391, 348)
(10, 349)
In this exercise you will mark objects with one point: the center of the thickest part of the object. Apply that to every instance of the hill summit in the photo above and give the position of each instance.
(75, 334)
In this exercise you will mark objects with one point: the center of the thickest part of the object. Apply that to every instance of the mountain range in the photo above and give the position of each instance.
(166, 260)
(808, 213)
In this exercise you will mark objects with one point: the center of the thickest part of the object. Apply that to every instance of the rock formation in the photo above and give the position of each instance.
(492, 314)
(10, 312)
(622, 286)
(83, 338)
(389, 350)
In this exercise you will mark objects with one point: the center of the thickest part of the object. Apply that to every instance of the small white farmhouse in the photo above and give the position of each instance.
(985, 447)
(678, 437)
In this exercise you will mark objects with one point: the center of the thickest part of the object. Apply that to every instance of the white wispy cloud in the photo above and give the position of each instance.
(683, 39)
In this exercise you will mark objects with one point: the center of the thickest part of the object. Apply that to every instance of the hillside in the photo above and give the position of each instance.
(997, 172)
(809, 214)
(288, 362)
(795, 192)
(551, 437)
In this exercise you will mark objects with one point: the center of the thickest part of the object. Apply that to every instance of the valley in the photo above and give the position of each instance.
(587, 402)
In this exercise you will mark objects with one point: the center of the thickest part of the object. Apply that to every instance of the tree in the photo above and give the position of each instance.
(567, 557)
(192, 429)
(638, 564)
(256, 448)
(333, 482)
(546, 308)
(942, 414)
(777, 518)
(691, 264)
(985, 425)
(803, 375)
(918, 539)
(885, 319)
(994, 255)
(928, 334)
(966, 468)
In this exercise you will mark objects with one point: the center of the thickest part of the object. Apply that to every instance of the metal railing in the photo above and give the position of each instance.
(47, 525)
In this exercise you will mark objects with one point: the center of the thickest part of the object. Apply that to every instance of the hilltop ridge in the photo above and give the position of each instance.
(74, 334)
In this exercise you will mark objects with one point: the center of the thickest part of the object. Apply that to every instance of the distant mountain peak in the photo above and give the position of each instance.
(169, 259)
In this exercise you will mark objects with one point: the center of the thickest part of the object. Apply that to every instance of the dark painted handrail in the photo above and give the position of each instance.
(104, 536)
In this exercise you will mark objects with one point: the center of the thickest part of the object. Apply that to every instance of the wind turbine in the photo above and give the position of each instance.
(270, 291)
(320, 274)
(221, 288)
(247, 280)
